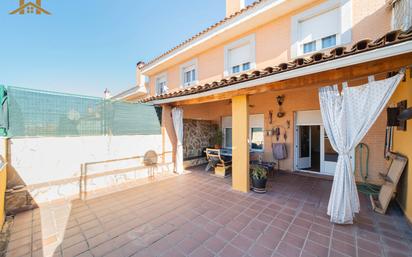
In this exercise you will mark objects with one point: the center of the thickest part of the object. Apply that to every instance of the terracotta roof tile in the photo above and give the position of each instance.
(390, 38)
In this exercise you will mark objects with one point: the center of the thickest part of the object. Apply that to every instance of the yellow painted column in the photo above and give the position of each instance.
(3, 179)
(402, 144)
(240, 151)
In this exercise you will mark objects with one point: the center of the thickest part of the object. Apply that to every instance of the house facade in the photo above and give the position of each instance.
(255, 77)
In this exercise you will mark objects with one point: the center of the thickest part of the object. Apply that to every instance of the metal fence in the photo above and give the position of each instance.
(36, 113)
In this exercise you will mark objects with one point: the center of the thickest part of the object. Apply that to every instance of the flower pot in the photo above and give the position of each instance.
(259, 185)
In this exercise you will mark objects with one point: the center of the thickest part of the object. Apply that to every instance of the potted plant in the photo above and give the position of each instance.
(259, 176)
(218, 139)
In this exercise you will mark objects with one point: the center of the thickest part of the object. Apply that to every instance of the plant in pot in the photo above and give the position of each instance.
(259, 176)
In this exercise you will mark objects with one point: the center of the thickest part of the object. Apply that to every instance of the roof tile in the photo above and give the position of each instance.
(390, 38)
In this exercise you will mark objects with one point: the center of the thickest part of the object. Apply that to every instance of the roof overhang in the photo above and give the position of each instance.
(131, 93)
(365, 57)
(224, 31)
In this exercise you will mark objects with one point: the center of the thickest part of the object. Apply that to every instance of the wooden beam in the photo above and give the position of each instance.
(313, 80)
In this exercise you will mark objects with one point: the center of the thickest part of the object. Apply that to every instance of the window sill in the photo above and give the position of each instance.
(190, 84)
(319, 51)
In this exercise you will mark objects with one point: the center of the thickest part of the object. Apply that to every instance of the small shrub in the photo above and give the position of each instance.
(258, 172)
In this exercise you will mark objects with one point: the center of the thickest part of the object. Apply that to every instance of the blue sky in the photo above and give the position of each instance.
(87, 46)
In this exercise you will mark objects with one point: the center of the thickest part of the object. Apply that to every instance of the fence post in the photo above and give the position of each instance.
(81, 185)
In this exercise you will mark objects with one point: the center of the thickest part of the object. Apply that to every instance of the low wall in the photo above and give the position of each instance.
(50, 168)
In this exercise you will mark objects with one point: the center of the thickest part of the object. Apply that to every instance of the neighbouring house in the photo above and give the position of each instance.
(256, 74)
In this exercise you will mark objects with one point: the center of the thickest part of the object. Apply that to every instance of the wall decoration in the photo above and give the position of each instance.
(402, 105)
(270, 117)
(280, 100)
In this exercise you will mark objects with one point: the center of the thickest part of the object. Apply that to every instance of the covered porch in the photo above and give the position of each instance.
(247, 96)
(250, 124)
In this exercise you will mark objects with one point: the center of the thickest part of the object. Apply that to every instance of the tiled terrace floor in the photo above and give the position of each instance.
(198, 215)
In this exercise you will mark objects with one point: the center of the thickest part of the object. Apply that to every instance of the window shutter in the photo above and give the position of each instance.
(320, 26)
(308, 118)
(256, 121)
(240, 55)
(227, 122)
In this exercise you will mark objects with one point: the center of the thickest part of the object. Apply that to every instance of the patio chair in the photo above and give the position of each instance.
(221, 165)
(391, 178)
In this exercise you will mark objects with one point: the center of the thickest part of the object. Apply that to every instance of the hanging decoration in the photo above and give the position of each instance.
(280, 99)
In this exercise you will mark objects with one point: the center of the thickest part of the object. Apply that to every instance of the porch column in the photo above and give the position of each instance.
(169, 141)
(240, 151)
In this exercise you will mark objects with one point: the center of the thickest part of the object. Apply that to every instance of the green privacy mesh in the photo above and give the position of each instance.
(28, 113)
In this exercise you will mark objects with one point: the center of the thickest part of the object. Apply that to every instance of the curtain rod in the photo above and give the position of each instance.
(386, 73)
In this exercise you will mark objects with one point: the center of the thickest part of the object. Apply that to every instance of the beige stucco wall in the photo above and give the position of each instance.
(295, 100)
(371, 19)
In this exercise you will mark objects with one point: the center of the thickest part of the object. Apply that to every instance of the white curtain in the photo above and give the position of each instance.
(347, 117)
(177, 115)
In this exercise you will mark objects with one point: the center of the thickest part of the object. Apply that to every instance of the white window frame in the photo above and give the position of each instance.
(251, 40)
(254, 121)
(226, 123)
(344, 35)
(157, 77)
(182, 73)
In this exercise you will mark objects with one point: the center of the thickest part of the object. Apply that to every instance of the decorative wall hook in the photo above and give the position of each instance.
(270, 117)
(280, 99)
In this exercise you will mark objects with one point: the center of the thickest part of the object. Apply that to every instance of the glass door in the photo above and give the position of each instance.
(329, 156)
(304, 147)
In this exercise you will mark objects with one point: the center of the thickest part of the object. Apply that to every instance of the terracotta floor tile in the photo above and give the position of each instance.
(202, 252)
(76, 249)
(370, 246)
(103, 248)
(23, 250)
(348, 249)
(172, 218)
(318, 238)
(259, 251)
(21, 242)
(365, 253)
(173, 253)
(242, 242)
(188, 245)
(396, 254)
(251, 233)
(316, 249)
(231, 251)
(226, 234)
(288, 250)
(294, 240)
(215, 244)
